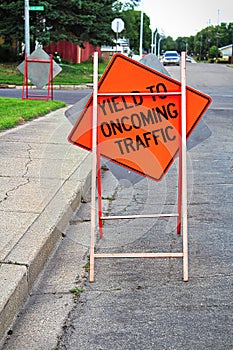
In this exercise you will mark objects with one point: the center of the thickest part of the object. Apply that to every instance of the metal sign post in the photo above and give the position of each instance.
(141, 30)
(182, 179)
(117, 26)
(27, 28)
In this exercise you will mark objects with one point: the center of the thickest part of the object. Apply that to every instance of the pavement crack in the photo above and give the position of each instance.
(29, 148)
(13, 263)
(24, 176)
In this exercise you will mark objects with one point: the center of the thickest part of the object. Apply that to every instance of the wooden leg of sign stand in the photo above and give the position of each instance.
(94, 165)
(184, 168)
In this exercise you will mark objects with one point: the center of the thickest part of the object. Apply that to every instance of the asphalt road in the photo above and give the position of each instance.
(211, 83)
(68, 96)
(144, 304)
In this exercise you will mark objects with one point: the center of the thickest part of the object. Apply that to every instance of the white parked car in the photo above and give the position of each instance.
(136, 57)
(171, 57)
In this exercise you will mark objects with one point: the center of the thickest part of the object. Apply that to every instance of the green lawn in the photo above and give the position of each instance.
(71, 74)
(9, 74)
(78, 73)
(14, 111)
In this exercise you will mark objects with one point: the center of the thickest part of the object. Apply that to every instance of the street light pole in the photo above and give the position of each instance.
(152, 41)
(26, 19)
(155, 51)
(141, 28)
(159, 47)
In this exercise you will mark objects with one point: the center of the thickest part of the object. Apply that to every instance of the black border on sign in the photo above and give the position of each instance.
(141, 65)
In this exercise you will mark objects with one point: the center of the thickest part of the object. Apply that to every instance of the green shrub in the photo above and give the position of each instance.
(8, 54)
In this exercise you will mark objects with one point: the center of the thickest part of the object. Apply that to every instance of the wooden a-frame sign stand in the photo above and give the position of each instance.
(182, 222)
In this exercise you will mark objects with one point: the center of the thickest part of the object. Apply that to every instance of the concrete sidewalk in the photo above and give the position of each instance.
(42, 181)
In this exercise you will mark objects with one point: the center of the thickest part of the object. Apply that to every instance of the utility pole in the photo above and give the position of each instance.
(232, 48)
(155, 51)
(141, 28)
(26, 19)
(161, 38)
(159, 47)
(152, 41)
(217, 36)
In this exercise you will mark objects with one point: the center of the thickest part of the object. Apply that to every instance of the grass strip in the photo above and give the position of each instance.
(9, 74)
(71, 74)
(14, 111)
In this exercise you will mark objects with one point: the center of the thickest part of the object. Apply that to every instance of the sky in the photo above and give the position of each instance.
(184, 17)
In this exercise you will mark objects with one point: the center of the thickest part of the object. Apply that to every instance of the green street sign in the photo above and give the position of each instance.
(36, 8)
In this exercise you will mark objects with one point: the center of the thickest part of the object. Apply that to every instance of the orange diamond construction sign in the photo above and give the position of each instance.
(139, 132)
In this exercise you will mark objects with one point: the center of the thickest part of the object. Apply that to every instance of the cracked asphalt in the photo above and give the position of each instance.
(24, 175)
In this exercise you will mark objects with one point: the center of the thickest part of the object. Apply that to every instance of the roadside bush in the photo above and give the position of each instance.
(212, 60)
(223, 60)
(8, 54)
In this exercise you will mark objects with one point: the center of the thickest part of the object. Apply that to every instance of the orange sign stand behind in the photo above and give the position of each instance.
(139, 119)
(25, 89)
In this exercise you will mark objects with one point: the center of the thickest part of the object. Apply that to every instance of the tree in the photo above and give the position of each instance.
(168, 44)
(201, 44)
(11, 28)
(78, 21)
(214, 52)
(132, 21)
(73, 20)
(86, 20)
(120, 6)
(212, 36)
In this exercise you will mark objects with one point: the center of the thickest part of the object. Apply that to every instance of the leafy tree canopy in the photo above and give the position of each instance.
(74, 20)
(87, 20)
(132, 21)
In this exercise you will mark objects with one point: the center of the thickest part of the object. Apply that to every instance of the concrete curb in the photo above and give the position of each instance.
(56, 87)
(18, 278)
